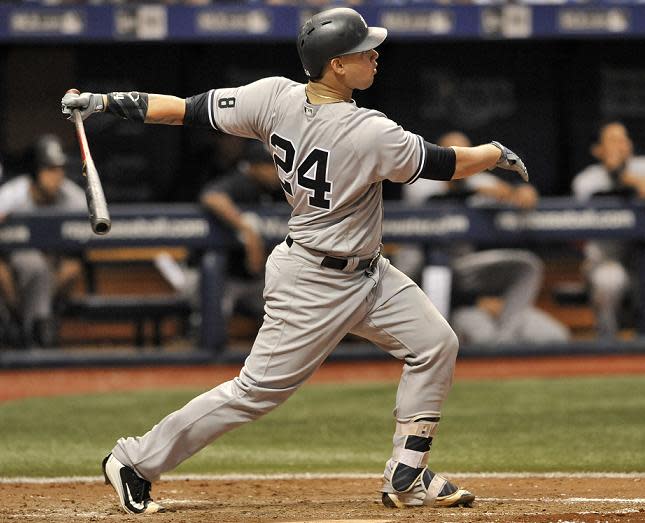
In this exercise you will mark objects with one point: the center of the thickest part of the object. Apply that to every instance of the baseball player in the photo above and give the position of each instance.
(606, 265)
(327, 278)
(39, 277)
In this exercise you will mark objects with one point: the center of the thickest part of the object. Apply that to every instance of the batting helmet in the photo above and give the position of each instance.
(333, 33)
(48, 152)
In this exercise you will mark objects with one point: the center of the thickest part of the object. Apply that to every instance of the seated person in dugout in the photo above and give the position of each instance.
(606, 263)
(251, 183)
(32, 280)
(491, 293)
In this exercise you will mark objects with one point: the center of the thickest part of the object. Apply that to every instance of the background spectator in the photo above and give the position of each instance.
(617, 173)
(493, 291)
(35, 279)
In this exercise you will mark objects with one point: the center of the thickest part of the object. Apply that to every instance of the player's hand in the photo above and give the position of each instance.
(254, 247)
(86, 103)
(525, 197)
(511, 161)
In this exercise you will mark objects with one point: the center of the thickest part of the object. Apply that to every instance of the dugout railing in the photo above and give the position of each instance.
(556, 221)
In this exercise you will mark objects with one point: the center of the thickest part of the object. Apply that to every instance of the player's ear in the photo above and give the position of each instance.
(336, 65)
(596, 151)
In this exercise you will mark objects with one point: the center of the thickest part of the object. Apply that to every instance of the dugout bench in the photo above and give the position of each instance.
(556, 220)
(141, 299)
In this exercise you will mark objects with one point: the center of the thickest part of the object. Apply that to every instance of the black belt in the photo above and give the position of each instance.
(339, 263)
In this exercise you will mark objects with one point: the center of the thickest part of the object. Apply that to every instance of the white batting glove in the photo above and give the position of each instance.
(86, 103)
(511, 161)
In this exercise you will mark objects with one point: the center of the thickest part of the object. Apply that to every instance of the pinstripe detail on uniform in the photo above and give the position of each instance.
(422, 161)
(211, 99)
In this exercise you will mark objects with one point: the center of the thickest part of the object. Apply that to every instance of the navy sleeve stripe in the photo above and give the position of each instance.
(211, 115)
(422, 162)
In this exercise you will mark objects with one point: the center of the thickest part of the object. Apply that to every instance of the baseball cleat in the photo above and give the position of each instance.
(460, 497)
(405, 486)
(133, 491)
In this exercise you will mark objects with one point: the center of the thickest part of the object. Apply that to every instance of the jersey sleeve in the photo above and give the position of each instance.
(389, 152)
(591, 180)
(248, 110)
(13, 194)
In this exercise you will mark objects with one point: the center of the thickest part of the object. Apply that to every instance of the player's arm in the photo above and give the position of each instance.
(222, 205)
(454, 163)
(133, 105)
(472, 160)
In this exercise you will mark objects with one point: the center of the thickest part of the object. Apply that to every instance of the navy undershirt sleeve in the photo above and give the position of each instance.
(440, 162)
(197, 111)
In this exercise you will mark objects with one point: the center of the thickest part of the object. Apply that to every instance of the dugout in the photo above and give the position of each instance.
(543, 86)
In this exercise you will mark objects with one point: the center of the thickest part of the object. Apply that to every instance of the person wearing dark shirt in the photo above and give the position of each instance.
(253, 182)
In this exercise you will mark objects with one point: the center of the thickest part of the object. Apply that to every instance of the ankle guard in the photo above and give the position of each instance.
(412, 443)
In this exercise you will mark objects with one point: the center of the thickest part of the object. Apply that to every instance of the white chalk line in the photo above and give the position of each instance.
(331, 475)
(571, 501)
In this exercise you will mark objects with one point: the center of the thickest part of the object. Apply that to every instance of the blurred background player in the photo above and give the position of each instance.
(489, 294)
(35, 279)
(252, 182)
(617, 173)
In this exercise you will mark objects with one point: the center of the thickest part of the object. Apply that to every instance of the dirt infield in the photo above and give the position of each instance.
(510, 499)
(517, 499)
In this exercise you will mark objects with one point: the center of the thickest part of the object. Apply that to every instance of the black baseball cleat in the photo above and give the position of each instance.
(133, 491)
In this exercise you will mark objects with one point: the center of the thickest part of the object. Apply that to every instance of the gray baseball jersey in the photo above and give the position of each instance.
(331, 160)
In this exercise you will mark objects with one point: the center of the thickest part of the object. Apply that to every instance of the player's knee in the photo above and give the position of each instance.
(33, 265)
(263, 397)
(609, 281)
(451, 343)
(443, 347)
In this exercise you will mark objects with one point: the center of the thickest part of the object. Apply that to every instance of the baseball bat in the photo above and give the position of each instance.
(96, 204)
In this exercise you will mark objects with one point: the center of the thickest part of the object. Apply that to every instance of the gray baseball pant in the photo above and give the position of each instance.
(309, 309)
(35, 283)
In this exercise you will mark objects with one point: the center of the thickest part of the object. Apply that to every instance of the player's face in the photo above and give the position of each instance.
(360, 68)
(50, 180)
(615, 145)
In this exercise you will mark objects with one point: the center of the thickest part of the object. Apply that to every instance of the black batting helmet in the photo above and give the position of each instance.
(332, 33)
(45, 152)
(48, 152)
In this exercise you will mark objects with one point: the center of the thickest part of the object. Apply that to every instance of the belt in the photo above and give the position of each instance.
(340, 263)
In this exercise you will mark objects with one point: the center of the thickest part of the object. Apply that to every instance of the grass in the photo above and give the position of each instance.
(585, 424)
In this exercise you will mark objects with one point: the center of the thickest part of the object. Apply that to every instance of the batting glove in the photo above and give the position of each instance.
(511, 161)
(86, 103)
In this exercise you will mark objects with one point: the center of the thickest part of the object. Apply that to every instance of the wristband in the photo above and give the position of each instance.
(130, 106)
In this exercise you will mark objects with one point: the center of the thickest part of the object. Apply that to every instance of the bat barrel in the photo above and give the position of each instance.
(101, 226)
(96, 204)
